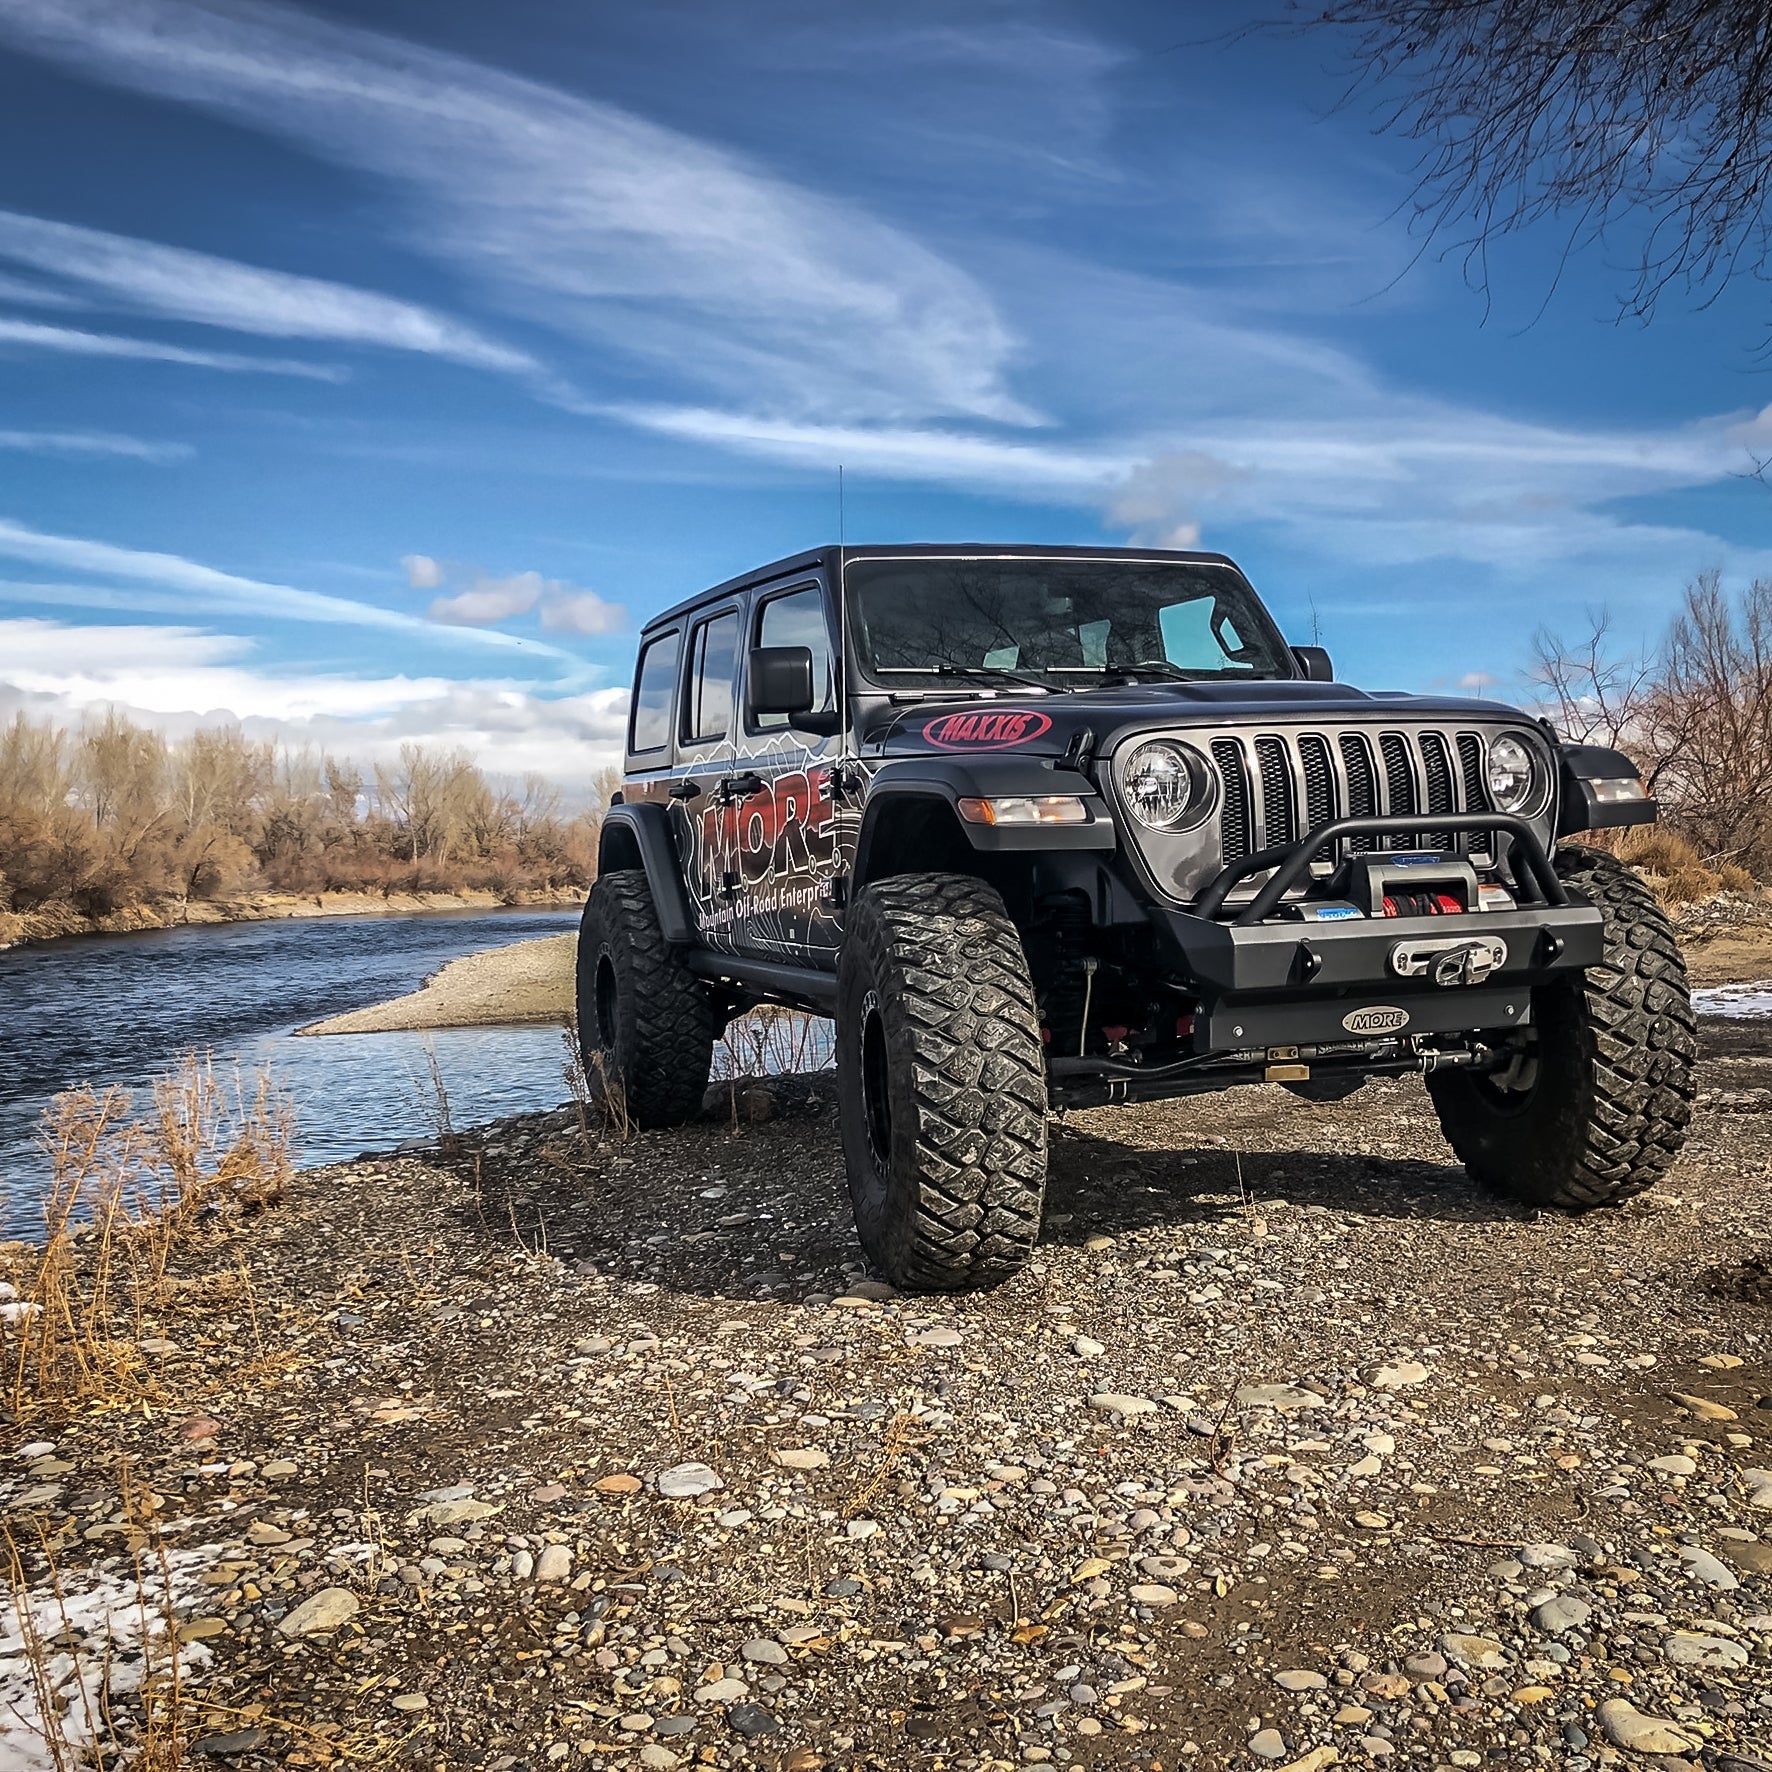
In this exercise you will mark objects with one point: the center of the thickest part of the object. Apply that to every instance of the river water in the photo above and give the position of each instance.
(122, 1009)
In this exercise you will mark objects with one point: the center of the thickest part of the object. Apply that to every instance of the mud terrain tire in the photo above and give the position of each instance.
(941, 1082)
(1606, 1114)
(644, 1020)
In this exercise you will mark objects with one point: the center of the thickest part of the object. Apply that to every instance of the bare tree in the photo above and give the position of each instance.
(1650, 116)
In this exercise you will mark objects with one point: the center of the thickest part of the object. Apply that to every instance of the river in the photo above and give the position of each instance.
(121, 1009)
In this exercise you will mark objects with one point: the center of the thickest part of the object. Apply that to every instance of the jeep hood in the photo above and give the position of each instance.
(1045, 725)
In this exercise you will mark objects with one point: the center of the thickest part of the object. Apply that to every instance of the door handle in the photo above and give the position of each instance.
(685, 790)
(740, 787)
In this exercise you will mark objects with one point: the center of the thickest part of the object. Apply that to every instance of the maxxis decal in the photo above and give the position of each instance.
(993, 729)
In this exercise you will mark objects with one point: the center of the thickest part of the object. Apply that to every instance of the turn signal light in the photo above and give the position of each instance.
(1026, 809)
(1610, 790)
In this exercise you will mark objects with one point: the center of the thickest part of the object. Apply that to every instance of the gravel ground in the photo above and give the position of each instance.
(523, 981)
(1291, 1448)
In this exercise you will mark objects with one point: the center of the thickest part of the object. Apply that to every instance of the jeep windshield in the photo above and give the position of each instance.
(1057, 624)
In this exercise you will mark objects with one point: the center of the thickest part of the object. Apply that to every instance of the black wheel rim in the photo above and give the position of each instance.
(876, 1096)
(606, 1000)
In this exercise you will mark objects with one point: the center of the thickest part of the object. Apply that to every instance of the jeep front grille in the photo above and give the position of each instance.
(1278, 786)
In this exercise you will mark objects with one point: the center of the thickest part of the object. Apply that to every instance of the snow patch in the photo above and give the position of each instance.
(1739, 1001)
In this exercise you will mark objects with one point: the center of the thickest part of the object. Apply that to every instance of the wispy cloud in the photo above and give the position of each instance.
(38, 295)
(87, 444)
(592, 220)
(226, 591)
(216, 291)
(30, 336)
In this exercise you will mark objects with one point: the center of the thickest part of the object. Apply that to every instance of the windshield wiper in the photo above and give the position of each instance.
(980, 673)
(1159, 668)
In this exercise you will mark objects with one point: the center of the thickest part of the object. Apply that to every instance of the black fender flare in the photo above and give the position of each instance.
(952, 779)
(1579, 806)
(647, 828)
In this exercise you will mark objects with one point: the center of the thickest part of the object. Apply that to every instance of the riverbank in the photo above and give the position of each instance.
(1290, 1447)
(528, 981)
(62, 922)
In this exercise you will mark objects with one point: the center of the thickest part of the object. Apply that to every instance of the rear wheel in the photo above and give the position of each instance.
(645, 1023)
(1594, 1103)
(941, 1082)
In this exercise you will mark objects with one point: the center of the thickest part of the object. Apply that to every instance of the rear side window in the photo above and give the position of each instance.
(798, 619)
(713, 652)
(654, 680)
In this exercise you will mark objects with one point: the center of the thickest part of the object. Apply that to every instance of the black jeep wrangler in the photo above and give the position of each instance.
(1056, 827)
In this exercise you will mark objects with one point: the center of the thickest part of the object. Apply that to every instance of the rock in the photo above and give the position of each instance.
(936, 1338)
(1759, 1485)
(200, 1427)
(1399, 1375)
(460, 1513)
(1372, 1522)
(1469, 1651)
(1386, 1686)
(1755, 1557)
(1113, 1403)
(1429, 1666)
(1300, 1680)
(194, 1630)
(620, 1483)
(765, 1650)
(1676, 1464)
(1151, 1593)
(1268, 1744)
(1687, 1649)
(1547, 1556)
(1625, 1726)
(1369, 1466)
(548, 1492)
(1314, 1761)
(683, 1482)
(1097, 1244)
(1702, 1566)
(239, 1741)
(1087, 1349)
(658, 1759)
(1286, 1398)
(1562, 1614)
(726, 1691)
(1704, 1408)
(320, 1612)
(276, 1469)
(553, 1566)
(410, 1701)
(750, 1721)
(802, 1458)
(263, 1532)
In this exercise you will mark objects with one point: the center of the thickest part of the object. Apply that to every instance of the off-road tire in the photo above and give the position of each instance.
(941, 1083)
(645, 1023)
(1607, 1113)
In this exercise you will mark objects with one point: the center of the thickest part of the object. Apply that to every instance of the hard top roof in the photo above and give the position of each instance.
(826, 557)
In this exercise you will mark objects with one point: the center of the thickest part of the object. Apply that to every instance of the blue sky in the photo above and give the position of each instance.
(369, 372)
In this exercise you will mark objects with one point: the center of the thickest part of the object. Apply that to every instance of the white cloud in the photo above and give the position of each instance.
(179, 677)
(565, 608)
(38, 295)
(93, 443)
(581, 612)
(422, 572)
(224, 590)
(579, 214)
(489, 600)
(244, 298)
(31, 336)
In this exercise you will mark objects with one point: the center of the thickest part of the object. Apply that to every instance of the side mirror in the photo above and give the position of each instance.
(1314, 662)
(779, 680)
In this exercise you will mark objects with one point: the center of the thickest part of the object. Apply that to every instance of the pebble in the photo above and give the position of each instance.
(1114, 1403)
(725, 1691)
(750, 1721)
(803, 1458)
(1547, 1556)
(1300, 1680)
(410, 1701)
(1286, 1398)
(1400, 1375)
(934, 1338)
(1687, 1649)
(683, 1482)
(1154, 1594)
(1472, 1651)
(1089, 1350)
(1561, 1614)
(1268, 1744)
(323, 1611)
(765, 1650)
(1675, 1465)
(1702, 1566)
(620, 1483)
(553, 1566)
(1625, 1726)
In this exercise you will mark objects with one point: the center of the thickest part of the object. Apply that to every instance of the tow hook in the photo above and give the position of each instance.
(1450, 963)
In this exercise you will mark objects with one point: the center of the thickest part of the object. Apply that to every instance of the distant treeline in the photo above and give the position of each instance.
(115, 816)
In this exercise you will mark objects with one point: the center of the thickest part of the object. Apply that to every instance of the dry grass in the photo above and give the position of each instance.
(1675, 869)
(126, 1195)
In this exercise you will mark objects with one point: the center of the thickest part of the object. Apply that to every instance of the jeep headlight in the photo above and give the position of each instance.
(1514, 774)
(1166, 785)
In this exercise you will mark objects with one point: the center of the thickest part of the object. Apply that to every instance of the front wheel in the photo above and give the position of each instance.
(941, 1083)
(645, 1024)
(1593, 1105)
